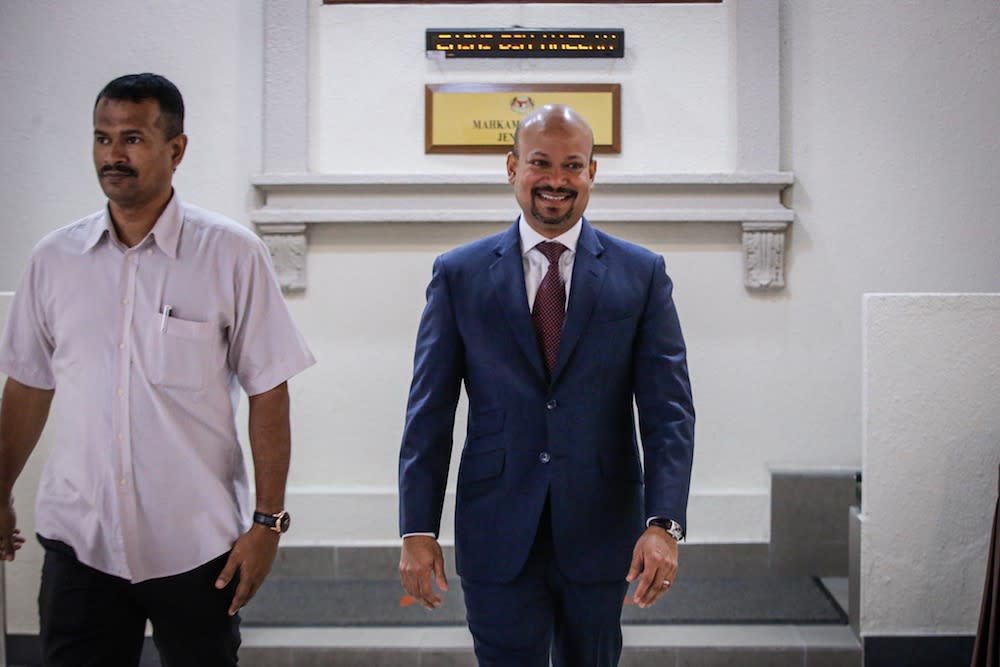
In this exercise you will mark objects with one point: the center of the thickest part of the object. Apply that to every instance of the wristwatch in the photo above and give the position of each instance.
(673, 528)
(277, 522)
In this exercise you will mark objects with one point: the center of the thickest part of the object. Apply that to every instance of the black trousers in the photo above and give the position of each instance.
(92, 619)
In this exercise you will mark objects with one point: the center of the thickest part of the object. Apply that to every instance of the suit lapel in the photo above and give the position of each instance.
(588, 276)
(507, 273)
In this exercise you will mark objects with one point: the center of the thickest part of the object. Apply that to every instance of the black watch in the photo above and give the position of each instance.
(279, 522)
(674, 529)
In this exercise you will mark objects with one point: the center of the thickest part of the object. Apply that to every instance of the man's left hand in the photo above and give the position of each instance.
(252, 555)
(654, 564)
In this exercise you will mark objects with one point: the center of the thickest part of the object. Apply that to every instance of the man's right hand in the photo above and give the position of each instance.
(10, 536)
(23, 411)
(420, 562)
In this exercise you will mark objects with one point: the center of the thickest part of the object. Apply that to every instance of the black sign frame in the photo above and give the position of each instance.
(525, 42)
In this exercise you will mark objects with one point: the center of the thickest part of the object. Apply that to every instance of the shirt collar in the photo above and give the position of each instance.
(530, 238)
(100, 224)
(166, 232)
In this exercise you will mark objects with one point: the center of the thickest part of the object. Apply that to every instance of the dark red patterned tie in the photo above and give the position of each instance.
(549, 310)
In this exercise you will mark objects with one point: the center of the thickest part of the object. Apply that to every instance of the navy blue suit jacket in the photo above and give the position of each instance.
(572, 438)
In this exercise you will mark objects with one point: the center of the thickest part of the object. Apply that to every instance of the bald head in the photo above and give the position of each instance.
(553, 118)
(552, 167)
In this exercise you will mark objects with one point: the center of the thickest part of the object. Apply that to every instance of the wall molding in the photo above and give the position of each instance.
(291, 202)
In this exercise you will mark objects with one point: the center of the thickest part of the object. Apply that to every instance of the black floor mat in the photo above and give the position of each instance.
(288, 601)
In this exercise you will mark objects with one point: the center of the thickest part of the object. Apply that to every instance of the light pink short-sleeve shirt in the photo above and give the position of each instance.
(147, 348)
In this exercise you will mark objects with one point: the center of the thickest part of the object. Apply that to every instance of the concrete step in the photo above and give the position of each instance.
(645, 646)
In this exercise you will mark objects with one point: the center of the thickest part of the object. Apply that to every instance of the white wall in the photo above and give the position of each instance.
(889, 124)
(890, 127)
(931, 451)
(56, 56)
(676, 113)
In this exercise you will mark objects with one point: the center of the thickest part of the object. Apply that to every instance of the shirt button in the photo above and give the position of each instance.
(544, 457)
(121, 346)
(121, 436)
(552, 405)
(121, 392)
(123, 481)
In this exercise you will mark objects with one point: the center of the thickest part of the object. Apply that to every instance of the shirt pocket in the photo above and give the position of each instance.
(183, 353)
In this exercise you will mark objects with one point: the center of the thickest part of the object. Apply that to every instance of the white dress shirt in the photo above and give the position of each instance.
(536, 264)
(147, 348)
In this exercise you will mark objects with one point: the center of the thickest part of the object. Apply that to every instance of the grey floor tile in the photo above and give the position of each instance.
(648, 657)
(840, 637)
(741, 657)
(839, 588)
(361, 638)
(304, 562)
(448, 658)
(724, 560)
(380, 562)
(266, 656)
(367, 562)
(341, 657)
(722, 636)
(832, 657)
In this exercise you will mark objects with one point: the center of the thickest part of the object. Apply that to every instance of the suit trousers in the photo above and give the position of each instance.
(542, 613)
(90, 618)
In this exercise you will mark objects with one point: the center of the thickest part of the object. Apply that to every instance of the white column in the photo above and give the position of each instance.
(930, 453)
(286, 124)
(756, 67)
(286, 86)
(756, 71)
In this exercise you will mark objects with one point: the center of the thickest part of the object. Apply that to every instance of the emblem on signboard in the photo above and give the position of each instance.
(521, 104)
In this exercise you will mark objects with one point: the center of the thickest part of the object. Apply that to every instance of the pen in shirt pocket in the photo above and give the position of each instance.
(163, 320)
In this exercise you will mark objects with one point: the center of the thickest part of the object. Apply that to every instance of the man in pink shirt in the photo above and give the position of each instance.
(146, 319)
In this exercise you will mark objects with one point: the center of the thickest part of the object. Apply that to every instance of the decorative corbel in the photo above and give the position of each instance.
(764, 254)
(287, 243)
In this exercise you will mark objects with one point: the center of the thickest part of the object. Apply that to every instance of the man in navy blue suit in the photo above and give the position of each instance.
(556, 329)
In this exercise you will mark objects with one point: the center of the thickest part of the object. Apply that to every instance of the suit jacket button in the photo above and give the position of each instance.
(544, 457)
(552, 405)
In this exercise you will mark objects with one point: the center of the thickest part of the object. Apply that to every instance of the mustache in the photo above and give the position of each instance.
(118, 168)
(554, 191)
